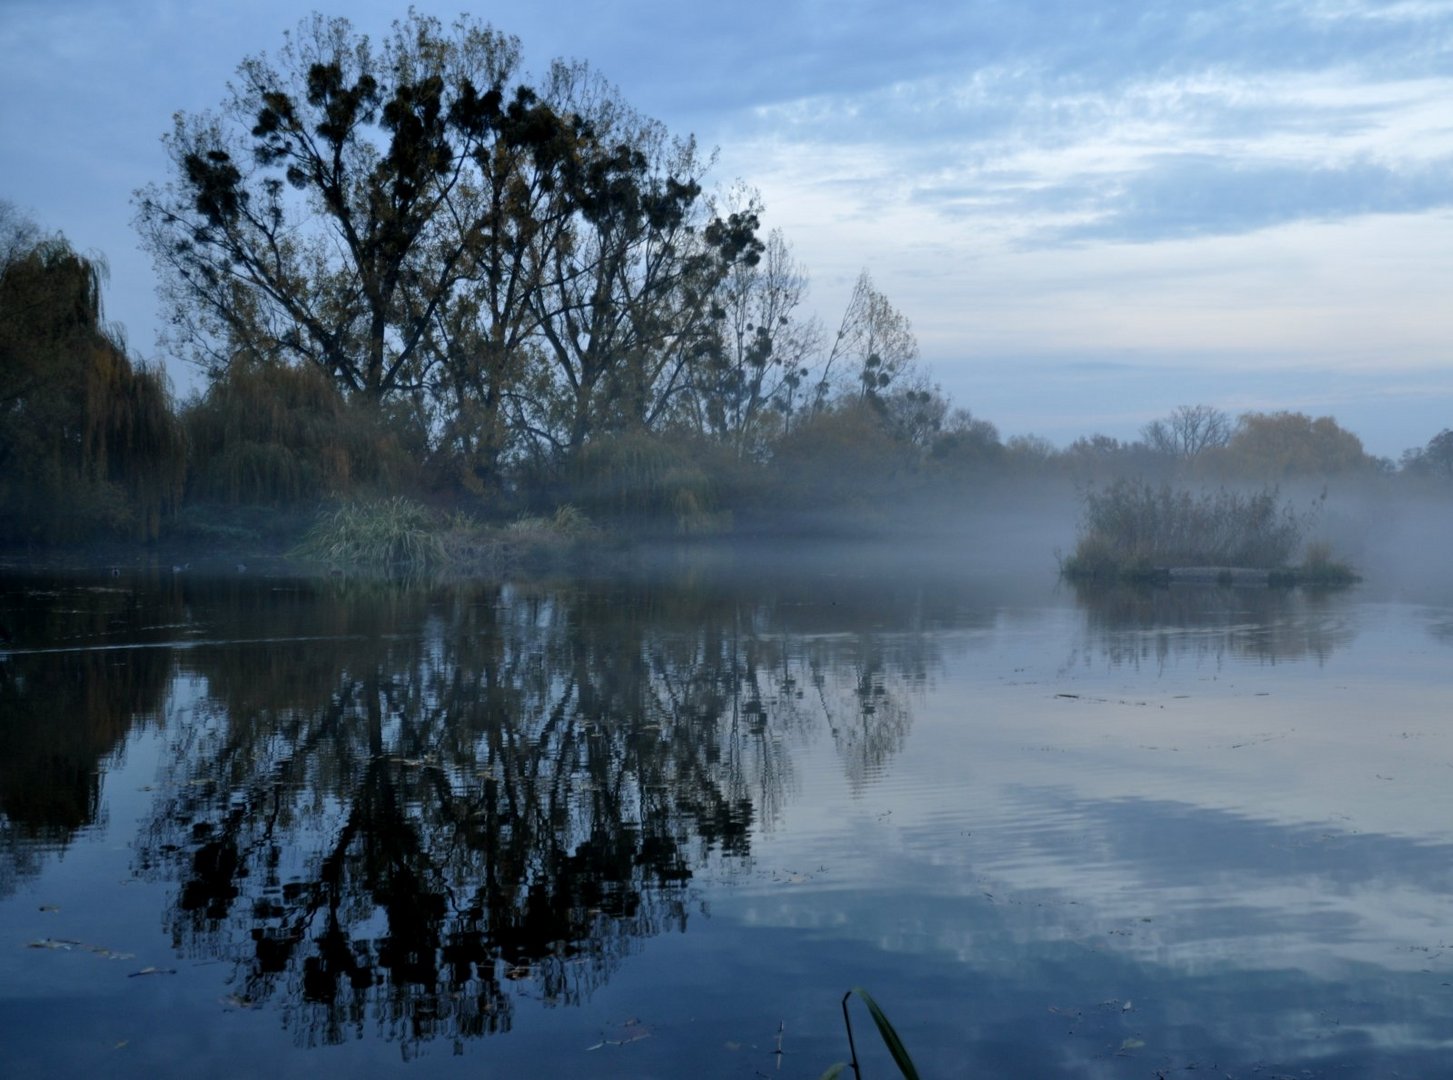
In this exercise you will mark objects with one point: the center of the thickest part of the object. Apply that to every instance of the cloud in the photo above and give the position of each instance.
(1187, 195)
(1203, 153)
(1023, 177)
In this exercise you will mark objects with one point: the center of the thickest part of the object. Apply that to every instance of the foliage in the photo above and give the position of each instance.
(1284, 444)
(89, 441)
(1132, 527)
(276, 434)
(645, 481)
(843, 456)
(1099, 458)
(1435, 460)
(1030, 455)
(964, 445)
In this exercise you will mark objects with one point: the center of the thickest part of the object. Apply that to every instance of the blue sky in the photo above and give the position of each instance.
(1090, 212)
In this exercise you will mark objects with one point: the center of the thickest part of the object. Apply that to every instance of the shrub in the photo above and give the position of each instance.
(646, 481)
(843, 457)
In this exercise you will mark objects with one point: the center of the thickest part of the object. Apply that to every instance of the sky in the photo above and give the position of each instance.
(1091, 212)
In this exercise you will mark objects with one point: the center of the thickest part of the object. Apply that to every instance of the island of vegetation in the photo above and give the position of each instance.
(453, 316)
(1138, 532)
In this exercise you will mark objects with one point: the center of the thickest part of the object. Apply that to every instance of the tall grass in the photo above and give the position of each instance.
(379, 534)
(398, 537)
(1132, 528)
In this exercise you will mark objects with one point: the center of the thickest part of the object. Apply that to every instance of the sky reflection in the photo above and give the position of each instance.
(1058, 835)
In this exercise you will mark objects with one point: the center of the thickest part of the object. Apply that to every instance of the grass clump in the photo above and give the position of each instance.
(536, 541)
(397, 536)
(377, 534)
(567, 523)
(1134, 530)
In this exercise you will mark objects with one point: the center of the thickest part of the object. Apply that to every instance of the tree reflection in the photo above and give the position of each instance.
(404, 810)
(1131, 626)
(68, 698)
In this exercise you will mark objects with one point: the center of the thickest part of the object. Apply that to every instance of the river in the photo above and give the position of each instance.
(657, 825)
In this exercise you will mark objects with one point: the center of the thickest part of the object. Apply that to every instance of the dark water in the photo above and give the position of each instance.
(657, 828)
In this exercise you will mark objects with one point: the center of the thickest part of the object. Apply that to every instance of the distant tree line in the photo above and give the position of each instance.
(406, 268)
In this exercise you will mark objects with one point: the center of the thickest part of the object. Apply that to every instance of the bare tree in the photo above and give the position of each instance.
(750, 381)
(873, 348)
(626, 302)
(1188, 432)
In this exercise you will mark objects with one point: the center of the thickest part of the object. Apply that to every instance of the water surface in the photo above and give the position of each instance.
(657, 827)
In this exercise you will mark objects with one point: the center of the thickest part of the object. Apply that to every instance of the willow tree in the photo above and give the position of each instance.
(88, 440)
(375, 211)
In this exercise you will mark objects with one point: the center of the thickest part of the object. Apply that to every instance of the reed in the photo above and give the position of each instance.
(1133, 529)
(886, 1032)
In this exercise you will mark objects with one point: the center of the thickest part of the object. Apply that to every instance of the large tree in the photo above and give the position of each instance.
(418, 223)
(627, 304)
(1286, 444)
(379, 212)
(1434, 459)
